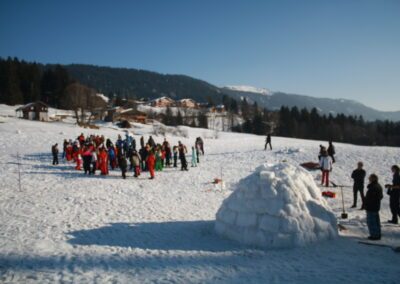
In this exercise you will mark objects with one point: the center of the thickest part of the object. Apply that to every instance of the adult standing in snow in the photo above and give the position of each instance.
(358, 177)
(331, 151)
(325, 163)
(268, 142)
(182, 156)
(54, 151)
(372, 206)
(394, 193)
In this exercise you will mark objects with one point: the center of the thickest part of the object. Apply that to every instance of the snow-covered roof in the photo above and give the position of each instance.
(103, 97)
(30, 105)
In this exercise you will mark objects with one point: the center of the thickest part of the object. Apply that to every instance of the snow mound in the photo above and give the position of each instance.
(277, 206)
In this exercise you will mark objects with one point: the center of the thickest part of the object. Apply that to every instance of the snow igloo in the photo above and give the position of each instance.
(277, 206)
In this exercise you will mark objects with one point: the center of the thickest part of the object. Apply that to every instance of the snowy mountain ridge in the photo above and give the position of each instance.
(250, 89)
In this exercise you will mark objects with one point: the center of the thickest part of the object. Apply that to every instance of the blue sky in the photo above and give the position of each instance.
(339, 49)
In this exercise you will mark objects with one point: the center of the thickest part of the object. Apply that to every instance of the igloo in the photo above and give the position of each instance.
(277, 206)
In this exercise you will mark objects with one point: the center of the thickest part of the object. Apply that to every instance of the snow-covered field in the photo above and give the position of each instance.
(66, 227)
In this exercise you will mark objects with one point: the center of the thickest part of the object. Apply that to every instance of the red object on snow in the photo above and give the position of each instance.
(329, 194)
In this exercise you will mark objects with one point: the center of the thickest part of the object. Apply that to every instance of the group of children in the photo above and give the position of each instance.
(97, 153)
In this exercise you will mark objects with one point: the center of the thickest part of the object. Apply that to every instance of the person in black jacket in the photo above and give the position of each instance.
(394, 193)
(268, 142)
(358, 177)
(331, 151)
(372, 206)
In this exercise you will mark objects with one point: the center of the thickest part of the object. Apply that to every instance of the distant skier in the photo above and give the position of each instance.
(394, 193)
(194, 157)
(268, 142)
(54, 151)
(358, 177)
(325, 163)
(372, 206)
(331, 151)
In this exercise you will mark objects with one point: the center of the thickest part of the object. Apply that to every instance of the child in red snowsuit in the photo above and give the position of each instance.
(78, 160)
(103, 162)
(151, 160)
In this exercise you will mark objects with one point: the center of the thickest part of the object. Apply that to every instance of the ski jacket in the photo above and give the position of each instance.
(325, 163)
(373, 197)
(358, 176)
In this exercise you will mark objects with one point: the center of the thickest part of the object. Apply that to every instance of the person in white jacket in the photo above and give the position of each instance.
(325, 162)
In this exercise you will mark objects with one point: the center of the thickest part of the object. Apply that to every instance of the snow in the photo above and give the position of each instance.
(66, 227)
(277, 206)
(250, 89)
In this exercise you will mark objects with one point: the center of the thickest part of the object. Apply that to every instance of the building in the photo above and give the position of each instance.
(163, 102)
(187, 103)
(34, 111)
(129, 114)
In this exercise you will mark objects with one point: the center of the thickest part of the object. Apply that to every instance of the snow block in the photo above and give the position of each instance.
(277, 206)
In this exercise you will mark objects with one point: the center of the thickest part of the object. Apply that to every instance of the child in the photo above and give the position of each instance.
(325, 163)
(151, 159)
(123, 165)
(175, 150)
(136, 163)
(159, 162)
(194, 158)
(94, 163)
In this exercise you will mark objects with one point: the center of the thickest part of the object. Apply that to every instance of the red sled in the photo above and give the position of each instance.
(329, 194)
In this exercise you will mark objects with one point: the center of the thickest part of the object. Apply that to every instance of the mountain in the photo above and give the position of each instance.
(135, 83)
(274, 100)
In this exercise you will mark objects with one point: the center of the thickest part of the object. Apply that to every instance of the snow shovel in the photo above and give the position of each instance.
(344, 214)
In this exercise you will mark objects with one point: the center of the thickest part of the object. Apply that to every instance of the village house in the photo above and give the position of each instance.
(129, 114)
(163, 102)
(34, 111)
(187, 103)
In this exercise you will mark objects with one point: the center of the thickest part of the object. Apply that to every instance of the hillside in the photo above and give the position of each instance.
(134, 83)
(274, 100)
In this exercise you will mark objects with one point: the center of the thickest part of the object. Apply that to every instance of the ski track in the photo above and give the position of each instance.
(66, 227)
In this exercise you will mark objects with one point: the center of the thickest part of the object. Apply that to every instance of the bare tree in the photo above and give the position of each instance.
(83, 101)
